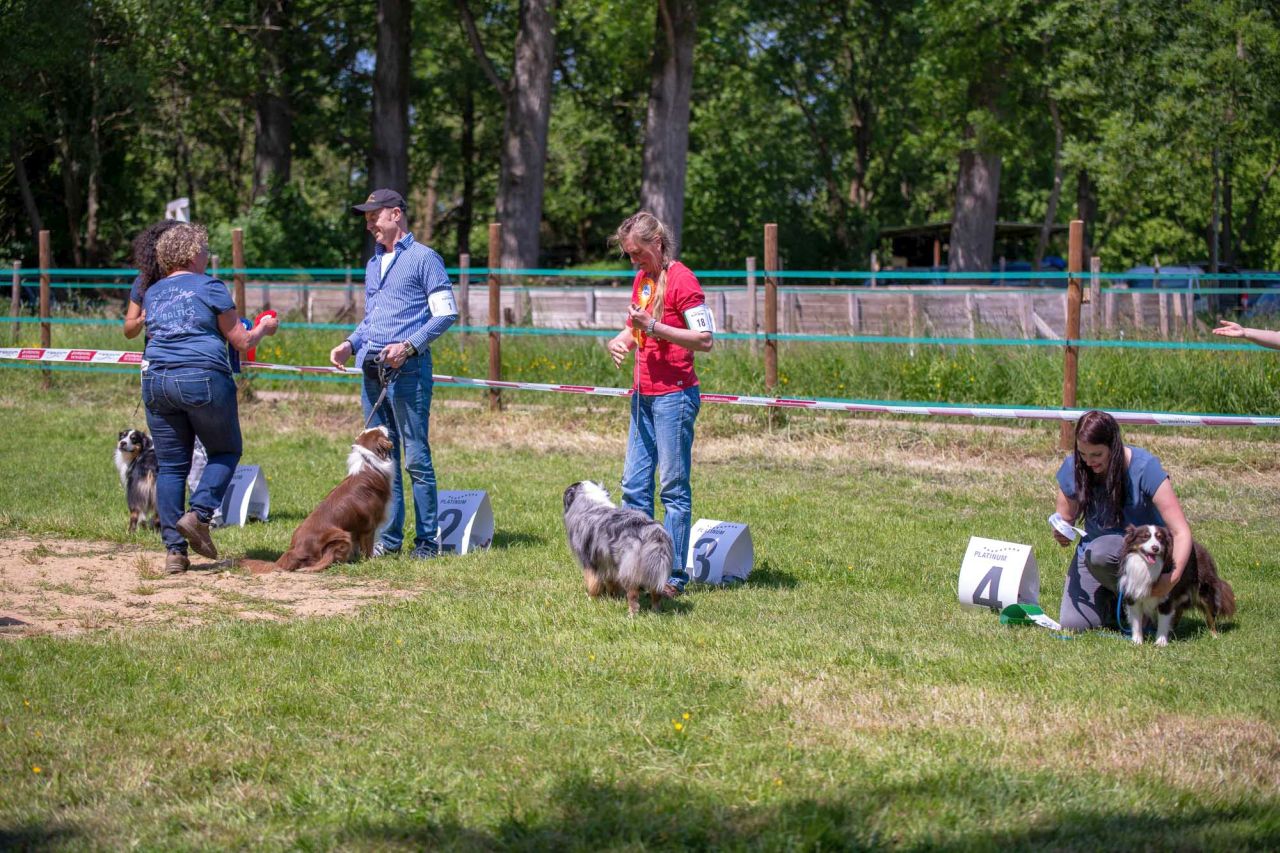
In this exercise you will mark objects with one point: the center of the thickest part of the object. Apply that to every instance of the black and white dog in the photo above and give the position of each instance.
(620, 550)
(1148, 549)
(135, 459)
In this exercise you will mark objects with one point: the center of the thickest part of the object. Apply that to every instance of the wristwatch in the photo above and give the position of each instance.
(409, 349)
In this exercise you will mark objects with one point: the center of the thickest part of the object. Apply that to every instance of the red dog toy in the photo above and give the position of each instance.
(251, 355)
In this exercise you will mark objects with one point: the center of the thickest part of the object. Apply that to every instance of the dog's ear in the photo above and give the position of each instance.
(570, 495)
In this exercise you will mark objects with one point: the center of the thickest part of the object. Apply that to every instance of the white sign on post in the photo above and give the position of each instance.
(995, 574)
(719, 551)
(466, 521)
(246, 497)
(179, 209)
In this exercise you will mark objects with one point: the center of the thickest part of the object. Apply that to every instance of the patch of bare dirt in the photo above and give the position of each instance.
(65, 587)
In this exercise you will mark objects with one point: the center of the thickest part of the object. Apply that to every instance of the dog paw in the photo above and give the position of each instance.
(1162, 641)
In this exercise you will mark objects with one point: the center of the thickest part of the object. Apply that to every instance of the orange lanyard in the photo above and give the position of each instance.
(646, 293)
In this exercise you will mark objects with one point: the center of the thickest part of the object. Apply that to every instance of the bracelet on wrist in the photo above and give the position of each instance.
(652, 323)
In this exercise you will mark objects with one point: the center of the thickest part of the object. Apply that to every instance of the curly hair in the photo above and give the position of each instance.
(143, 253)
(179, 245)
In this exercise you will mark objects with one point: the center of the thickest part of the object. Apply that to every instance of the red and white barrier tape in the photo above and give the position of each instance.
(1007, 413)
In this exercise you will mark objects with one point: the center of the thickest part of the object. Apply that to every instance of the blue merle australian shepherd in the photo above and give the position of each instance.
(620, 550)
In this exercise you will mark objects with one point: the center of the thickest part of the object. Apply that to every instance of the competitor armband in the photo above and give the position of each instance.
(442, 304)
(700, 319)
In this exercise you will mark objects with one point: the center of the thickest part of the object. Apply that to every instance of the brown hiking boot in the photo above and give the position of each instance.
(196, 532)
(176, 563)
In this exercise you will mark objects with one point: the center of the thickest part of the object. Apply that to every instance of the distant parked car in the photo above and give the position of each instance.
(1170, 278)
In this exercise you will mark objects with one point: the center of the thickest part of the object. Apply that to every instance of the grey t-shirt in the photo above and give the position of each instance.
(1143, 477)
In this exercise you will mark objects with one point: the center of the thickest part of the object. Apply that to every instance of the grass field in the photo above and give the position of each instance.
(840, 699)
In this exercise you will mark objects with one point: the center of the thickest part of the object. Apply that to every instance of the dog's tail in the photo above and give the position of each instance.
(1214, 591)
(657, 556)
(258, 567)
(1224, 598)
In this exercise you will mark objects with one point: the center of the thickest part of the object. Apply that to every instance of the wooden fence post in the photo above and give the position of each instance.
(770, 306)
(15, 301)
(464, 291)
(1075, 265)
(237, 275)
(495, 316)
(46, 328)
(1095, 294)
(912, 312)
(753, 309)
(1160, 300)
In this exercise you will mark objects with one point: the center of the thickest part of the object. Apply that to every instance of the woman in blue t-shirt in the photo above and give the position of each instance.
(187, 386)
(1110, 485)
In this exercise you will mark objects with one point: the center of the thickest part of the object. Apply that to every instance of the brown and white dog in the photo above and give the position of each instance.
(135, 460)
(346, 521)
(1148, 549)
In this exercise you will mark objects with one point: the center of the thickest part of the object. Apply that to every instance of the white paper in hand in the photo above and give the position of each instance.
(1066, 528)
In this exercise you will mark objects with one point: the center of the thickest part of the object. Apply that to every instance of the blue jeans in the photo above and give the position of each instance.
(406, 413)
(660, 441)
(183, 403)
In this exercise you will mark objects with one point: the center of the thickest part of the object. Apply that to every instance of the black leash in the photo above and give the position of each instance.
(386, 375)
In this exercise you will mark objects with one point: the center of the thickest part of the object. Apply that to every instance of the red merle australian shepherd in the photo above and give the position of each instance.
(1148, 551)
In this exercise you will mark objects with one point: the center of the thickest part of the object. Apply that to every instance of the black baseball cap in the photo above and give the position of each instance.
(379, 199)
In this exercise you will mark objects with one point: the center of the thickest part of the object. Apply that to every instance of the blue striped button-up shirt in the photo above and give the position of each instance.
(412, 302)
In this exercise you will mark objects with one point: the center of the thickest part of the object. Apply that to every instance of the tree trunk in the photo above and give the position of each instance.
(70, 187)
(1228, 239)
(973, 225)
(24, 187)
(666, 137)
(273, 140)
(468, 172)
(93, 178)
(425, 204)
(272, 112)
(1214, 212)
(390, 161)
(1051, 209)
(863, 119)
(524, 144)
(1087, 209)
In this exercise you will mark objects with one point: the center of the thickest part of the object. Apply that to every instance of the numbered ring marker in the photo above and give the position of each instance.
(466, 521)
(995, 574)
(246, 497)
(719, 552)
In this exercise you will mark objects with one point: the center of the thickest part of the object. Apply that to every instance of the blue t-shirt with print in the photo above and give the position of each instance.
(182, 322)
(1143, 477)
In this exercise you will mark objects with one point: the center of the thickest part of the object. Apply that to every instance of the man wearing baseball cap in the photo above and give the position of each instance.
(408, 303)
